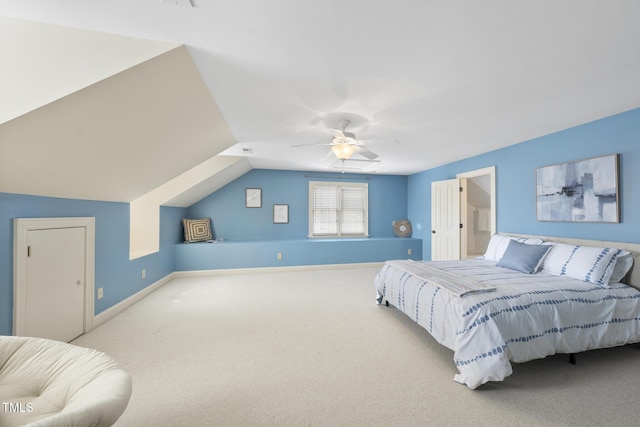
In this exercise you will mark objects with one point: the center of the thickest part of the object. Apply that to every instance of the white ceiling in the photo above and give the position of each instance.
(447, 80)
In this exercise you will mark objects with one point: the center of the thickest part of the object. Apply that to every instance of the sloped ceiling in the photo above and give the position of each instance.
(118, 138)
(446, 79)
(45, 62)
(479, 194)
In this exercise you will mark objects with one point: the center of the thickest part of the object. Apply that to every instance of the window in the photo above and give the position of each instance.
(338, 209)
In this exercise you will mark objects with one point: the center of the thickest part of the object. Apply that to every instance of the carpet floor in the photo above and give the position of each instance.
(311, 348)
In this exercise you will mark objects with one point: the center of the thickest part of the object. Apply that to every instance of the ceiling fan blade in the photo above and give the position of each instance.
(362, 160)
(342, 164)
(378, 141)
(366, 153)
(312, 145)
(326, 156)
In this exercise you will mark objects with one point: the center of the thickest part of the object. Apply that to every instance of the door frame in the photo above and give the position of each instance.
(491, 171)
(21, 228)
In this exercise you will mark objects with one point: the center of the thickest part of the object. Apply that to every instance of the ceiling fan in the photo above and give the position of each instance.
(344, 144)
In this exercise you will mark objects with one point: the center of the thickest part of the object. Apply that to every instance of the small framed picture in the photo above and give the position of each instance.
(280, 214)
(253, 197)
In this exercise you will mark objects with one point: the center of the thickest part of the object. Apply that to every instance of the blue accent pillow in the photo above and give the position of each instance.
(523, 257)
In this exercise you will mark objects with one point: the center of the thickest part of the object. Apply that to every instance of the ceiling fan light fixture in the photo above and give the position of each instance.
(343, 151)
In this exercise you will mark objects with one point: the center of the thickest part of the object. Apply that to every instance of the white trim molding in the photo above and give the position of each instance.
(260, 270)
(118, 308)
(21, 227)
(128, 302)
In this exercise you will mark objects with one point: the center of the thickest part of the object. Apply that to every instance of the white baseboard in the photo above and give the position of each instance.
(126, 303)
(107, 314)
(259, 270)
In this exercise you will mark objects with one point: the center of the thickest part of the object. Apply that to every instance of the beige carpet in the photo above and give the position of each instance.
(312, 348)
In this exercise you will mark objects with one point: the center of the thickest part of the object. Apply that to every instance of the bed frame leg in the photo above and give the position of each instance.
(572, 358)
(386, 303)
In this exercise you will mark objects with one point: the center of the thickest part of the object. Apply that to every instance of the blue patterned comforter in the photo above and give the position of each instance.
(527, 317)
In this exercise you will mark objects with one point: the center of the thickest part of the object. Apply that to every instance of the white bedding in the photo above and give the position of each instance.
(528, 316)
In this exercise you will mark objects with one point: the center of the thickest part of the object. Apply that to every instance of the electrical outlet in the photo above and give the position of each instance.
(279, 255)
(100, 293)
(144, 273)
(410, 251)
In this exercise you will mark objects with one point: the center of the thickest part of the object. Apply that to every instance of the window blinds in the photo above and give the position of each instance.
(325, 211)
(339, 210)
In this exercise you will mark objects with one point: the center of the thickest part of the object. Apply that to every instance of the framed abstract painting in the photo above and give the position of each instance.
(581, 191)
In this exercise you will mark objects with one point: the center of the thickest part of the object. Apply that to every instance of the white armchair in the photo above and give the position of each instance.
(51, 383)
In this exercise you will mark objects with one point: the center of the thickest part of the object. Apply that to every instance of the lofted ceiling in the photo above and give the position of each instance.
(117, 139)
(106, 117)
(431, 81)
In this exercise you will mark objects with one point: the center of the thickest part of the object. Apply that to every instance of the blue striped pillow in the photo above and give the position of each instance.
(586, 263)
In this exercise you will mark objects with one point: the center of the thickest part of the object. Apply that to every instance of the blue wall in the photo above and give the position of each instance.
(236, 254)
(390, 198)
(119, 277)
(234, 222)
(251, 239)
(515, 180)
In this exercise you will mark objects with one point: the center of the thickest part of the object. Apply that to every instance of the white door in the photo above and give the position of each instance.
(55, 277)
(447, 211)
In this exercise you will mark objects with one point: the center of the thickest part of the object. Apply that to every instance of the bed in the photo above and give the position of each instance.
(497, 309)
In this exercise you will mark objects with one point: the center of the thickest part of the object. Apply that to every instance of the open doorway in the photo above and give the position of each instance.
(481, 212)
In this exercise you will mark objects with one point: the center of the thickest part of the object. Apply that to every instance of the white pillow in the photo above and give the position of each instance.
(556, 258)
(586, 263)
(624, 261)
(498, 245)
